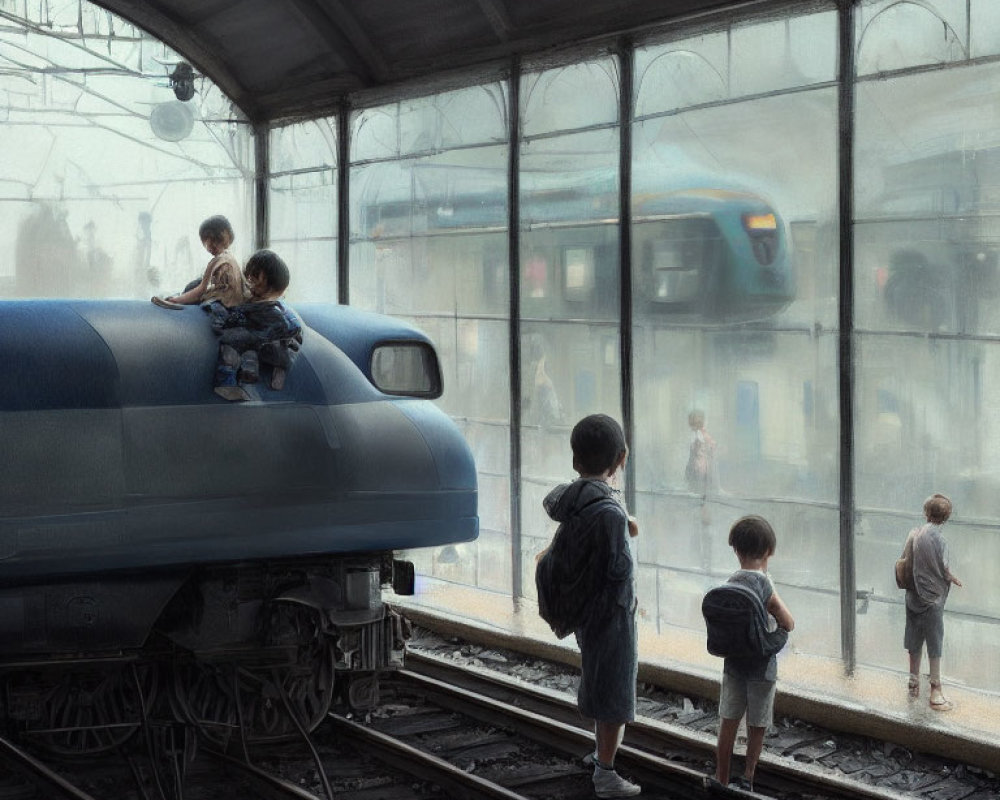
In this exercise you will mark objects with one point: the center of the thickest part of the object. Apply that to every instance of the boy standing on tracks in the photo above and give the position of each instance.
(604, 574)
(925, 602)
(748, 684)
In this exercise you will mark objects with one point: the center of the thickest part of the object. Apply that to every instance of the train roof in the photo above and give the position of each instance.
(115, 353)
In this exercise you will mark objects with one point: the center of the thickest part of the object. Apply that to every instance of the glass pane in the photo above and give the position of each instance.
(477, 115)
(783, 54)
(928, 202)
(303, 206)
(432, 234)
(313, 267)
(304, 144)
(734, 279)
(925, 424)
(894, 35)
(748, 59)
(721, 233)
(984, 28)
(570, 97)
(569, 370)
(429, 244)
(114, 171)
(569, 224)
(681, 74)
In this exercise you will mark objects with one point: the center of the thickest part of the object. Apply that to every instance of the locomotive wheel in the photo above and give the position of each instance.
(89, 711)
(220, 698)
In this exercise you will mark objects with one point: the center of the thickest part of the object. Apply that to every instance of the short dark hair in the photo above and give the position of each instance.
(937, 508)
(269, 264)
(214, 227)
(752, 537)
(597, 442)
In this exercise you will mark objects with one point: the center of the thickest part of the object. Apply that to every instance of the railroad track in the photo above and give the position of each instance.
(454, 730)
(24, 776)
(663, 757)
(797, 758)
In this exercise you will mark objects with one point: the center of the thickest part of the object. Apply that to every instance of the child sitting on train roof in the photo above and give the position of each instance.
(223, 279)
(262, 331)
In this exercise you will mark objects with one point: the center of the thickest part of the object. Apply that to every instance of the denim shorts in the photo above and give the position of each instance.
(755, 698)
(925, 627)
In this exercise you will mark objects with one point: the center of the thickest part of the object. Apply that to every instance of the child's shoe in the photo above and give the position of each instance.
(249, 367)
(742, 783)
(232, 392)
(608, 783)
(913, 687)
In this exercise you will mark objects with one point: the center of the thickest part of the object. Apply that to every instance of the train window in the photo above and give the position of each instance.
(406, 368)
(578, 272)
(675, 273)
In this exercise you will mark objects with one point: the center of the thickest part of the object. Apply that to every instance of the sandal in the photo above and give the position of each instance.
(940, 703)
(914, 687)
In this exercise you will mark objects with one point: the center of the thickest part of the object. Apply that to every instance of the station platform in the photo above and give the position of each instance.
(871, 703)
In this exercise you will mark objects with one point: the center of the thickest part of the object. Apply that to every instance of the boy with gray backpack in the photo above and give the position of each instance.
(738, 631)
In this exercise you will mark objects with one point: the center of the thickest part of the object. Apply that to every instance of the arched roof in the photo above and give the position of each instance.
(290, 58)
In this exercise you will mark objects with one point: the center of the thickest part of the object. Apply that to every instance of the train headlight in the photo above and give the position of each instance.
(760, 222)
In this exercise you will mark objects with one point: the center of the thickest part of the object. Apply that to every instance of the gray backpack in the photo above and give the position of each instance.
(736, 621)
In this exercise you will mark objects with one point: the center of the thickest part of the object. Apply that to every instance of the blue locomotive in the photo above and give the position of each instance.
(158, 542)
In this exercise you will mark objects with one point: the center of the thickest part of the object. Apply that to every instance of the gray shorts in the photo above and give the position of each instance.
(925, 627)
(754, 698)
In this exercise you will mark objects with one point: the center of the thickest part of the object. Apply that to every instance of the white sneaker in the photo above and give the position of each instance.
(608, 783)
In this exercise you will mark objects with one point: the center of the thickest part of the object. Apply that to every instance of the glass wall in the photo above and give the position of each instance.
(733, 262)
(429, 244)
(110, 163)
(927, 286)
(302, 219)
(734, 268)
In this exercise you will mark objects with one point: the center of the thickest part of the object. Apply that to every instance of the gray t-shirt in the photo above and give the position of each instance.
(930, 569)
(753, 669)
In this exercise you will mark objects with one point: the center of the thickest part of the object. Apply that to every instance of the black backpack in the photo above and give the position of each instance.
(565, 576)
(736, 621)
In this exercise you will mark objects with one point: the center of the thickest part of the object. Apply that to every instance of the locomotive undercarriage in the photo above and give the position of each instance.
(243, 655)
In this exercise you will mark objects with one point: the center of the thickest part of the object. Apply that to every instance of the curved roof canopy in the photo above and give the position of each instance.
(293, 58)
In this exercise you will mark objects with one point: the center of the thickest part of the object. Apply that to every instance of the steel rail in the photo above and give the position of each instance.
(37, 772)
(643, 738)
(270, 785)
(570, 739)
(420, 764)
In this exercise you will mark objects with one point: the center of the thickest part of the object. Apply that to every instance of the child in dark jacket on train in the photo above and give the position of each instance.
(261, 331)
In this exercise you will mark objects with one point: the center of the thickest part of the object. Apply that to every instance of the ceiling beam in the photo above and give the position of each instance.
(496, 12)
(339, 28)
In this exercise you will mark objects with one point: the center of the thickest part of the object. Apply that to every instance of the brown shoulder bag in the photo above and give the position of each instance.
(904, 564)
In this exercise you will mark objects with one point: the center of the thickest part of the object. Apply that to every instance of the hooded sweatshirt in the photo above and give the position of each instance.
(602, 566)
